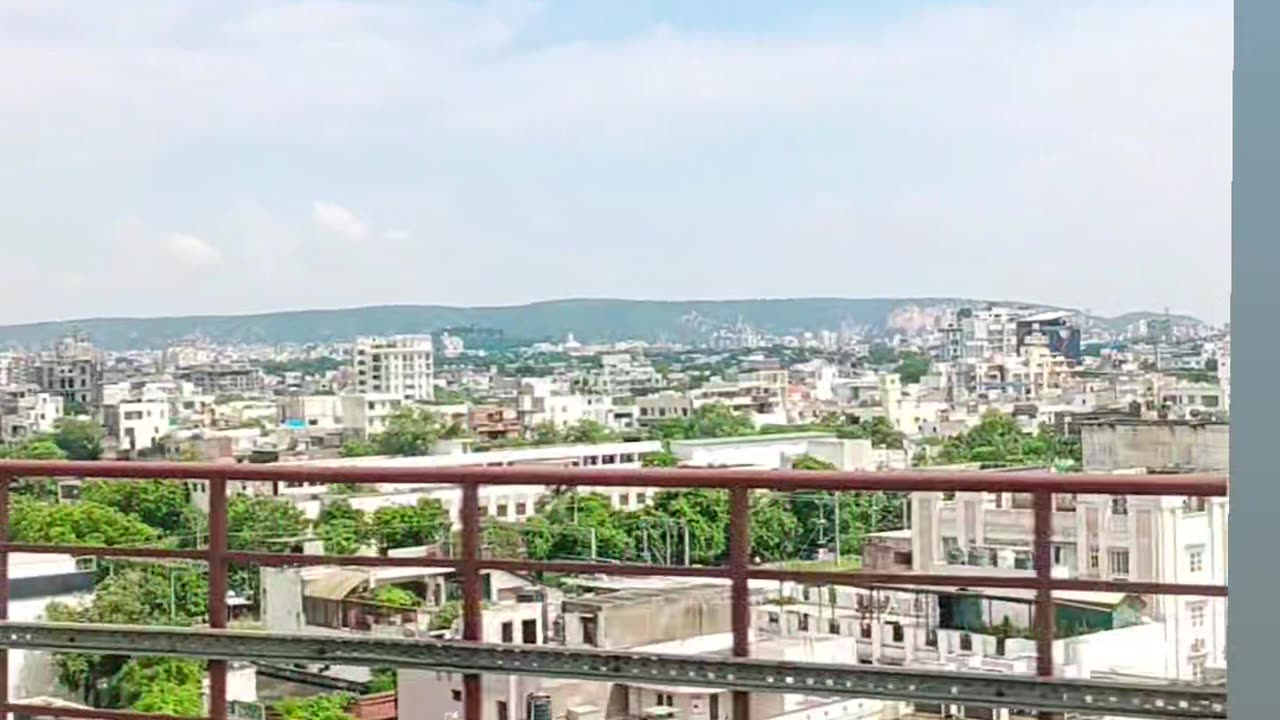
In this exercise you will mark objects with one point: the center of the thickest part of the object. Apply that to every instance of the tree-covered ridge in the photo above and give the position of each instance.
(591, 320)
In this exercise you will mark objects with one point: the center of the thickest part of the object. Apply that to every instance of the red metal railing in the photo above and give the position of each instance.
(1041, 486)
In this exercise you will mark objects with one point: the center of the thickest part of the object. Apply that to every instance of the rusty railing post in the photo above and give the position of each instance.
(472, 698)
(5, 479)
(1043, 561)
(217, 591)
(739, 571)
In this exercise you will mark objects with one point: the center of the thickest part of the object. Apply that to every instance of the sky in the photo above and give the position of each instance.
(232, 156)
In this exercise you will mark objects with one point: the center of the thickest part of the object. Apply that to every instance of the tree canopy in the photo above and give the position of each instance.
(80, 439)
(397, 526)
(80, 523)
(415, 430)
(997, 441)
(709, 421)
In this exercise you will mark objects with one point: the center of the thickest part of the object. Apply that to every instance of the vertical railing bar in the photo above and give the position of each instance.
(739, 571)
(1042, 504)
(217, 591)
(473, 701)
(5, 480)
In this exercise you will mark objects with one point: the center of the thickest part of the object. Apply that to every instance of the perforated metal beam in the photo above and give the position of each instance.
(1095, 698)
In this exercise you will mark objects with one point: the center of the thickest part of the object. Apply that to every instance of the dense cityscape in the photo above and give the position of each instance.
(981, 387)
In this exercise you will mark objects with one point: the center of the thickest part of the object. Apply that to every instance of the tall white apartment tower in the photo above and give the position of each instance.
(402, 365)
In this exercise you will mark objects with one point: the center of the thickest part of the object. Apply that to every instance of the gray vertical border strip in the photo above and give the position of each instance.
(1255, 299)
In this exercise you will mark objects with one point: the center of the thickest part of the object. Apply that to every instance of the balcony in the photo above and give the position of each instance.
(217, 644)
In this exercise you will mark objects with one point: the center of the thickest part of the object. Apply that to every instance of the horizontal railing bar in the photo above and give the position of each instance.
(87, 713)
(1027, 582)
(104, 552)
(1202, 485)
(623, 666)
(855, 578)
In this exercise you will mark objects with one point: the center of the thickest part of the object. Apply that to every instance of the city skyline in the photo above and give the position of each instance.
(238, 157)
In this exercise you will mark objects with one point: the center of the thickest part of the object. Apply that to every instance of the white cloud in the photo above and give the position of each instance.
(397, 235)
(193, 250)
(339, 221)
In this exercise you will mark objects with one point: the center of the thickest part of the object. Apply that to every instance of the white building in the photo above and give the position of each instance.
(137, 425)
(503, 502)
(34, 582)
(401, 365)
(25, 414)
(313, 411)
(1137, 538)
(368, 413)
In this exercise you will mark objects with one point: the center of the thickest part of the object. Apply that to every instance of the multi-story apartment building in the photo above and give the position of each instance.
(73, 370)
(402, 365)
(223, 378)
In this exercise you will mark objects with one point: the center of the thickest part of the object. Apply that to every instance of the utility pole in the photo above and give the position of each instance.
(644, 533)
(686, 543)
(835, 496)
(593, 543)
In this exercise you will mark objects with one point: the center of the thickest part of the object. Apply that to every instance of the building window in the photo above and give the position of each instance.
(1195, 558)
(898, 633)
(529, 632)
(1094, 558)
(641, 498)
(1119, 560)
(804, 622)
(715, 706)
(502, 510)
(1196, 611)
(456, 695)
(521, 509)
(508, 632)
(502, 710)
(931, 638)
(1120, 505)
(865, 630)
(966, 642)
(833, 627)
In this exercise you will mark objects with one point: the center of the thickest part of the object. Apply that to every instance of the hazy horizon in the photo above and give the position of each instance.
(346, 308)
(195, 157)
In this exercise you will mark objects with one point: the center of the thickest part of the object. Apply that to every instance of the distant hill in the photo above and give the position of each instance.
(590, 320)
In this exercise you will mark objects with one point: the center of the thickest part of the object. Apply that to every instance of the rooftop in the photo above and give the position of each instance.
(757, 439)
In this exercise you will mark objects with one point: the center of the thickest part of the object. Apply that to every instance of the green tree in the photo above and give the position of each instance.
(588, 432)
(879, 430)
(332, 706)
(358, 448)
(881, 354)
(132, 595)
(564, 527)
(704, 512)
(912, 367)
(383, 680)
(40, 448)
(546, 433)
(163, 504)
(997, 440)
(415, 430)
(168, 686)
(397, 526)
(262, 524)
(82, 523)
(664, 459)
(396, 597)
(446, 616)
(343, 529)
(79, 439)
(775, 531)
(709, 421)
